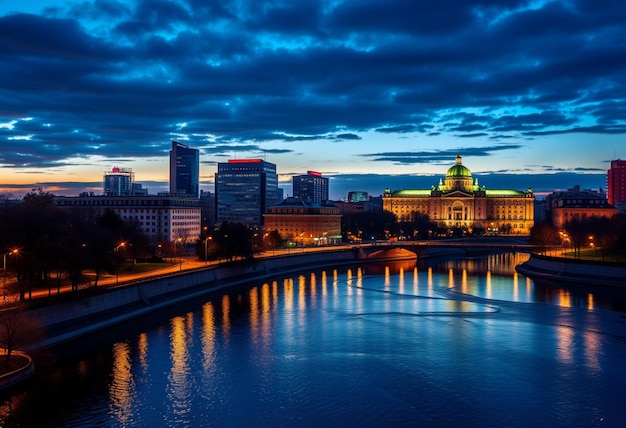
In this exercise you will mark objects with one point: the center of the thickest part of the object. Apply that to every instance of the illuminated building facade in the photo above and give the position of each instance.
(575, 203)
(311, 186)
(305, 223)
(459, 202)
(244, 188)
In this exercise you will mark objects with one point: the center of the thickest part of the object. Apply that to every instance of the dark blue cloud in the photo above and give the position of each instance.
(120, 78)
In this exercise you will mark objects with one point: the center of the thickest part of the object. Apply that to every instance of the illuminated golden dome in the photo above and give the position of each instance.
(458, 177)
(458, 170)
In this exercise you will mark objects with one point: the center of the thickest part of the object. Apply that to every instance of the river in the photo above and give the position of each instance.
(442, 343)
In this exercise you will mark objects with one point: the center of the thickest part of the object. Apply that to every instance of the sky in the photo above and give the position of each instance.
(373, 94)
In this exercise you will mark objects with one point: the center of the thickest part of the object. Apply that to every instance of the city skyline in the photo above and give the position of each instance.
(372, 94)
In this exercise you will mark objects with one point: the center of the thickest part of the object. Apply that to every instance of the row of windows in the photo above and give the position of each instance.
(135, 201)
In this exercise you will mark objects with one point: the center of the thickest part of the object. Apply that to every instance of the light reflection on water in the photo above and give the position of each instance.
(466, 342)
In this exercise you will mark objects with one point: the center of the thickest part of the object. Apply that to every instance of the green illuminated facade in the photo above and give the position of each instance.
(458, 201)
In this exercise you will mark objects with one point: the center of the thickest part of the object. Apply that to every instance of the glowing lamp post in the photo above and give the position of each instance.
(4, 296)
(115, 250)
(206, 242)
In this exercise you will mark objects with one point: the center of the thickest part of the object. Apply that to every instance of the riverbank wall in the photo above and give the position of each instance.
(87, 313)
(548, 269)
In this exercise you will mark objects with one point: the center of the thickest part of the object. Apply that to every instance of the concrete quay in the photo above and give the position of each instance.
(573, 271)
(88, 313)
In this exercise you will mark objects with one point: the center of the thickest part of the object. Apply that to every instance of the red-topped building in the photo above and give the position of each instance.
(616, 182)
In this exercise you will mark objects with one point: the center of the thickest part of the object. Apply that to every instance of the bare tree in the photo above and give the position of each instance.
(17, 330)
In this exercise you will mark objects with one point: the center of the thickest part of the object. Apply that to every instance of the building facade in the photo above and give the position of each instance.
(118, 182)
(244, 188)
(578, 204)
(207, 204)
(311, 186)
(184, 170)
(305, 223)
(161, 219)
(459, 202)
(616, 182)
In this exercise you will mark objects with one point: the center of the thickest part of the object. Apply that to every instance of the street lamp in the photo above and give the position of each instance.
(116, 267)
(206, 257)
(4, 296)
(180, 256)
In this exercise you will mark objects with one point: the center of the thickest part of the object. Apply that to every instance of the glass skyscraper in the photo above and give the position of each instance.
(244, 188)
(184, 170)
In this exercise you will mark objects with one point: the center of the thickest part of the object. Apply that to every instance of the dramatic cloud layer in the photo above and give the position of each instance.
(119, 80)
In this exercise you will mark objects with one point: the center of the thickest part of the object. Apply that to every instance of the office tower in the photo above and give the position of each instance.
(616, 182)
(311, 187)
(244, 188)
(118, 182)
(184, 170)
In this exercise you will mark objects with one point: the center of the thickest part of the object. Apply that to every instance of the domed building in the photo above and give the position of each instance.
(459, 202)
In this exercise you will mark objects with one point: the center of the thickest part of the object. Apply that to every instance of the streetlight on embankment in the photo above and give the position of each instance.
(4, 286)
(115, 251)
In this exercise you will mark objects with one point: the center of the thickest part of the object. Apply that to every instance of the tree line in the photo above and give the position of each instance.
(45, 246)
(606, 236)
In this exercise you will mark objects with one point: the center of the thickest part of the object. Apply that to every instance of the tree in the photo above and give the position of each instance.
(602, 233)
(369, 225)
(544, 234)
(17, 329)
(578, 231)
(420, 228)
(274, 240)
(233, 240)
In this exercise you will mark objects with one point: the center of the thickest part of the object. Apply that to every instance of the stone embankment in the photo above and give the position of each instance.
(88, 313)
(573, 271)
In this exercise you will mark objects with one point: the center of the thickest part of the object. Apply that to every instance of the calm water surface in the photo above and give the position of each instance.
(456, 343)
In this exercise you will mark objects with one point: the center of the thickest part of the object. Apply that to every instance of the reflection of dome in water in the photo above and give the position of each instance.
(458, 170)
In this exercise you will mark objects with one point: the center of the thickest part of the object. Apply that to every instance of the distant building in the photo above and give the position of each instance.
(357, 196)
(120, 182)
(574, 203)
(244, 188)
(161, 219)
(616, 182)
(184, 170)
(305, 223)
(311, 186)
(207, 204)
(459, 202)
(372, 204)
(540, 210)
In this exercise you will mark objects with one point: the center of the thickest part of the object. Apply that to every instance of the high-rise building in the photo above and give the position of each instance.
(311, 187)
(118, 182)
(184, 170)
(244, 188)
(616, 182)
